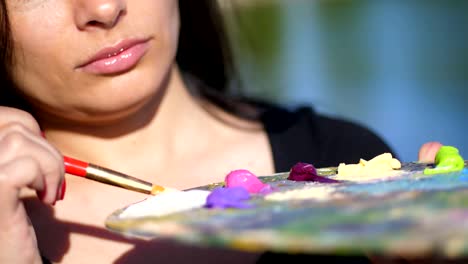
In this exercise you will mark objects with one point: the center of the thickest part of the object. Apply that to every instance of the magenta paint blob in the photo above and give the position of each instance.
(246, 179)
(302, 171)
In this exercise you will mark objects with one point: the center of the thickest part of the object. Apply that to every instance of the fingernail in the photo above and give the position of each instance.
(63, 188)
(41, 194)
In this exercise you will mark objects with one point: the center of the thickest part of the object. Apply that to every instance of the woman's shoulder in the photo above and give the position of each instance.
(300, 133)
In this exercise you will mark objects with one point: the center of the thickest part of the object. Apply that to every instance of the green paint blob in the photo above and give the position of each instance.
(447, 160)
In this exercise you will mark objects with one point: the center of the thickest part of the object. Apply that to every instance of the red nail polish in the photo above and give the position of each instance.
(41, 195)
(63, 188)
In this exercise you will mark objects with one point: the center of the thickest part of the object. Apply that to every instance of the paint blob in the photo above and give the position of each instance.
(380, 167)
(306, 172)
(233, 197)
(167, 203)
(246, 179)
(447, 160)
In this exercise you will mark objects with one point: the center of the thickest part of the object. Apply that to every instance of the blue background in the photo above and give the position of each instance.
(398, 67)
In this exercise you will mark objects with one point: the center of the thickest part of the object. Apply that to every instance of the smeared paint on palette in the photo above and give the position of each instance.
(410, 215)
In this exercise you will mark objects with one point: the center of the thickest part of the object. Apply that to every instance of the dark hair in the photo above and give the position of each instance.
(203, 55)
(8, 96)
(203, 49)
(206, 58)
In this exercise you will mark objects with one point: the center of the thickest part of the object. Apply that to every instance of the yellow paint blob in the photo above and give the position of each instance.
(381, 166)
(157, 189)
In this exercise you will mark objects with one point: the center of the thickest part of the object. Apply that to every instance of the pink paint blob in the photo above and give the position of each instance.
(246, 179)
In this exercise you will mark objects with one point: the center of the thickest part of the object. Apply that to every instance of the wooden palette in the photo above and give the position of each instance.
(410, 215)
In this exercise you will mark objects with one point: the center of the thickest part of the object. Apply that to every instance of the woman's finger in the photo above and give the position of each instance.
(13, 217)
(19, 143)
(428, 151)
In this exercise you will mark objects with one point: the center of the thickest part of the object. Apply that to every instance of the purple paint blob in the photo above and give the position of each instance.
(246, 179)
(235, 197)
(306, 172)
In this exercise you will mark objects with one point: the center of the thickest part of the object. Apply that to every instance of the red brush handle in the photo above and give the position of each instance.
(100, 174)
(75, 167)
(107, 176)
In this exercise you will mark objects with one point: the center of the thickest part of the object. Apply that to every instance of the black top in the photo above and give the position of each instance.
(302, 135)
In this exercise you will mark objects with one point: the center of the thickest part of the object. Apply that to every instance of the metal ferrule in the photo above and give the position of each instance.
(115, 178)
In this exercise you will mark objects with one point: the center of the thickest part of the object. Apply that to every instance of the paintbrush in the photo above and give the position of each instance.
(97, 173)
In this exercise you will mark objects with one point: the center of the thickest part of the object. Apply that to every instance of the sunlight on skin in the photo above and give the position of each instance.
(428, 151)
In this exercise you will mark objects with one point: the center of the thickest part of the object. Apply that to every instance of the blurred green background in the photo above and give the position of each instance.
(398, 66)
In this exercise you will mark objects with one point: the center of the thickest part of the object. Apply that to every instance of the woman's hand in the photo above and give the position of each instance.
(428, 151)
(27, 161)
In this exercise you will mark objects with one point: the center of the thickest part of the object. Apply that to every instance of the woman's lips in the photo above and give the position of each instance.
(117, 59)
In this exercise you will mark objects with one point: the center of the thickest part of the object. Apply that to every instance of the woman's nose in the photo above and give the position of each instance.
(98, 13)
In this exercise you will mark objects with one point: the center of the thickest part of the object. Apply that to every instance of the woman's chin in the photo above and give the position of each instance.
(108, 114)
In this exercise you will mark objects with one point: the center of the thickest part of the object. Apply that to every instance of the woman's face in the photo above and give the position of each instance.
(92, 59)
